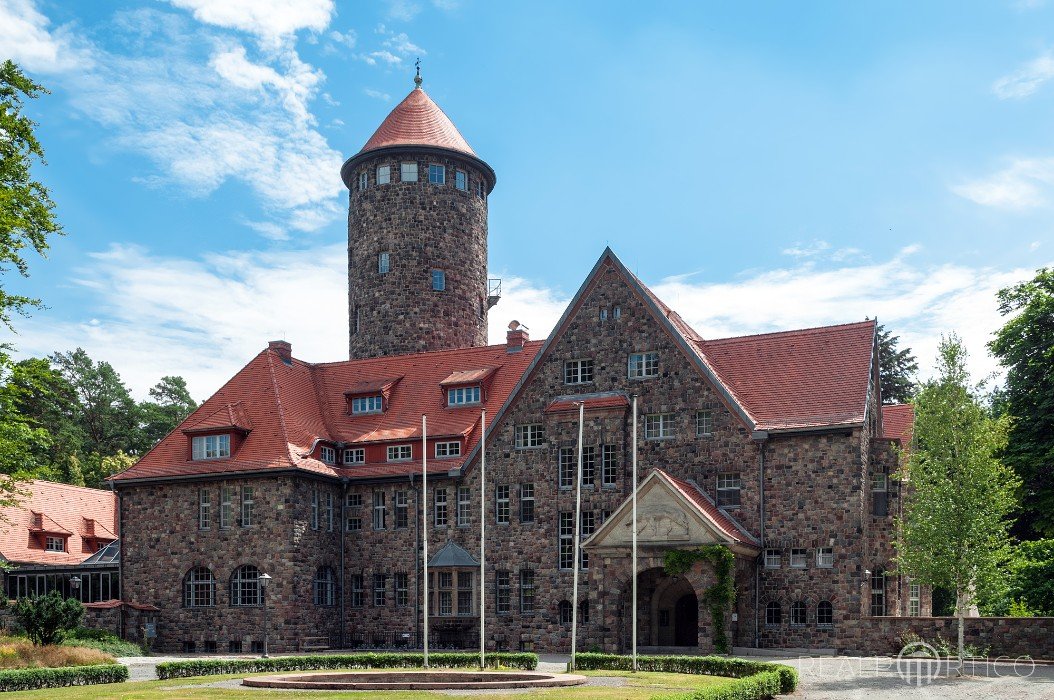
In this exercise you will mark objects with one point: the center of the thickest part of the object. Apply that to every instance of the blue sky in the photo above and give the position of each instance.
(763, 166)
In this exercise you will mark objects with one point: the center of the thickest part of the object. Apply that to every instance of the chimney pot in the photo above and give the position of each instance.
(283, 349)
(516, 338)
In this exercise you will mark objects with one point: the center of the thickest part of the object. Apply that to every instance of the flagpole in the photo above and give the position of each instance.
(634, 565)
(482, 533)
(578, 539)
(424, 521)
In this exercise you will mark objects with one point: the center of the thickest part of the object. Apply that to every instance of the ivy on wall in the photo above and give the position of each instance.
(718, 597)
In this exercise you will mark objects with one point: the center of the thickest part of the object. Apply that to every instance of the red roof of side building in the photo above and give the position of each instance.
(84, 517)
(898, 422)
(418, 121)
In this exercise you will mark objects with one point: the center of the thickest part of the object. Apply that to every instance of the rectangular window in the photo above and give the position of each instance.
(402, 510)
(247, 506)
(448, 449)
(329, 511)
(480, 190)
(589, 465)
(567, 467)
(589, 526)
(609, 465)
(354, 500)
(528, 436)
(355, 455)
(378, 510)
(464, 593)
(446, 593)
(440, 508)
(380, 589)
(408, 172)
(914, 600)
(211, 447)
(798, 558)
(879, 495)
(384, 174)
(825, 557)
(438, 280)
(567, 540)
(367, 404)
(464, 505)
(204, 509)
(578, 371)
(354, 524)
(461, 180)
(402, 590)
(704, 422)
(526, 503)
(364, 180)
(315, 506)
(526, 591)
(658, 426)
(384, 263)
(878, 593)
(436, 174)
(643, 365)
(355, 586)
(462, 395)
(772, 558)
(329, 455)
(54, 544)
(729, 486)
(502, 592)
(226, 506)
(502, 511)
(399, 453)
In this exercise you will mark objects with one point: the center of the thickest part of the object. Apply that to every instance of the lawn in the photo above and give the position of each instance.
(640, 686)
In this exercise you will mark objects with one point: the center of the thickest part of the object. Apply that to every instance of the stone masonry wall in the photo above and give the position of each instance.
(1002, 636)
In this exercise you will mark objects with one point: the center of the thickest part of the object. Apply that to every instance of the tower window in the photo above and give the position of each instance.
(364, 180)
(384, 263)
(384, 174)
(616, 313)
(461, 180)
(603, 313)
(480, 190)
(439, 280)
(408, 172)
(437, 174)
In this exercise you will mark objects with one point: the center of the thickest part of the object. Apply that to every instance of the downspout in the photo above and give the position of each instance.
(759, 436)
(343, 527)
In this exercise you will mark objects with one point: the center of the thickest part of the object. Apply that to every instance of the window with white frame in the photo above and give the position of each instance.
(465, 590)
(567, 540)
(589, 466)
(502, 509)
(445, 591)
(54, 544)
(440, 508)
(704, 421)
(355, 588)
(379, 511)
(526, 503)
(316, 506)
(798, 558)
(462, 395)
(329, 455)
(399, 453)
(526, 590)
(914, 599)
(481, 190)
(248, 506)
(589, 526)
(329, 511)
(567, 467)
(408, 172)
(878, 593)
(578, 371)
(380, 589)
(364, 180)
(384, 174)
(199, 588)
(204, 509)
(448, 449)
(643, 365)
(211, 447)
(464, 506)
(824, 613)
(367, 404)
(354, 524)
(325, 586)
(773, 613)
(436, 174)
(528, 436)
(772, 558)
(825, 557)
(461, 180)
(355, 455)
(402, 510)
(384, 263)
(245, 586)
(402, 590)
(879, 495)
(438, 280)
(729, 487)
(608, 465)
(354, 500)
(226, 506)
(502, 592)
(616, 312)
(658, 426)
(603, 313)
(799, 613)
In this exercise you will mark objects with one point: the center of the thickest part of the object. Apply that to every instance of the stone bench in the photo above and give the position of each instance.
(314, 644)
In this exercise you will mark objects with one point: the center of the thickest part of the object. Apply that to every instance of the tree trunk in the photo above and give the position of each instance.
(960, 611)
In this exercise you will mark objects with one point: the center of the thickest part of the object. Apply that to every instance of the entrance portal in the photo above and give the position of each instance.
(686, 621)
(667, 609)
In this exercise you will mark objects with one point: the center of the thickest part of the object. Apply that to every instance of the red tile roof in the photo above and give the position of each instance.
(226, 416)
(898, 423)
(418, 121)
(49, 508)
(700, 500)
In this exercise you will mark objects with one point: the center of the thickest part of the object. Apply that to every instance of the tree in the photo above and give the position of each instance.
(171, 403)
(48, 618)
(103, 408)
(896, 368)
(1025, 346)
(954, 533)
(27, 216)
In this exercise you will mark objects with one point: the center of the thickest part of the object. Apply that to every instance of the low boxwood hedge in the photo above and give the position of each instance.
(34, 678)
(757, 679)
(212, 667)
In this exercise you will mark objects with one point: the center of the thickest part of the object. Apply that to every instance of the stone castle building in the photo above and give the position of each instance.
(775, 445)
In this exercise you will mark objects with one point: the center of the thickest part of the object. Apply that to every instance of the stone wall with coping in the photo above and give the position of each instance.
(1001, 636)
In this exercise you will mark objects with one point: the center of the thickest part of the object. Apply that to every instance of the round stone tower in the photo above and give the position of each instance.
(417, 235)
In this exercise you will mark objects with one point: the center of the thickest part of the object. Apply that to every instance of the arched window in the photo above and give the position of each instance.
(325, 586)
(245, 586)
(825, 613)
(798, 613)
(773, 614)
(565, 612)
(878, 593)
(199, 588)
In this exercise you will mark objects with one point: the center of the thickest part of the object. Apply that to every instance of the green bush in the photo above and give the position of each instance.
(48, 618)
(33, 678)
(212, 667)
(103, 641)
(757, 679)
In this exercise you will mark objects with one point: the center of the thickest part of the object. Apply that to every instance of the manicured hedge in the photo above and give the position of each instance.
(757, 679)
(212, 667)
(34, 678)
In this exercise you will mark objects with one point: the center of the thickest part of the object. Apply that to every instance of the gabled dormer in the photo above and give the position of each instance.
(371, 396)
(466, 387)
(218, 435)
(48, 534)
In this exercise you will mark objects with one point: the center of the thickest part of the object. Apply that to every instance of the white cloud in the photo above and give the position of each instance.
(348, 38)
(401, 44)
(397, 46)
(377, 94)
(26, 39)
(1022, 185)
(268, 19)
(1034, 245)
(807, 250)
(403, 10)
(1026, 80)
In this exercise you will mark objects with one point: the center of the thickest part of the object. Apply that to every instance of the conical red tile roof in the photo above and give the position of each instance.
(418, 121)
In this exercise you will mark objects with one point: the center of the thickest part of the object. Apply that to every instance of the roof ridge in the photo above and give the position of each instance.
(809, 330)
(69, 486)
(318, 383)
(428, 353)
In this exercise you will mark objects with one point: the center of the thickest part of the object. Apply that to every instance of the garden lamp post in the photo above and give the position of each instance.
(264, 580)
(75, 586)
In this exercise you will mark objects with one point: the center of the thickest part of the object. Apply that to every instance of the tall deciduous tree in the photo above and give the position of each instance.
(170, 402)
(954, 533)
(897, 368)
(27, 214)
(1025, 346)
(104, 409)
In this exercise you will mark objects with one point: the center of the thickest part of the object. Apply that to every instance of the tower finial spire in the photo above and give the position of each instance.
(417, 78)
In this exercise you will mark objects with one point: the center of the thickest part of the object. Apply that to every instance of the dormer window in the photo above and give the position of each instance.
(462, 395)
(329, 455)
(211, 446)
(367, 404)
(355, 455)
(448, 449)
(399, 453)
(54, 544)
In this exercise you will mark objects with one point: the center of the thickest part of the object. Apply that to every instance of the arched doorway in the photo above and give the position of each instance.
(686, 621)
(667, 611)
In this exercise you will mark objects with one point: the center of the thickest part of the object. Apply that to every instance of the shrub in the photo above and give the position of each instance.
(103, 641)
(19, 652)
(47, 618)
(33, 678)
(211, 667)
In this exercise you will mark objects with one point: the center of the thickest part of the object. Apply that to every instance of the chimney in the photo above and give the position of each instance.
(283, 349)
(516, 338)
